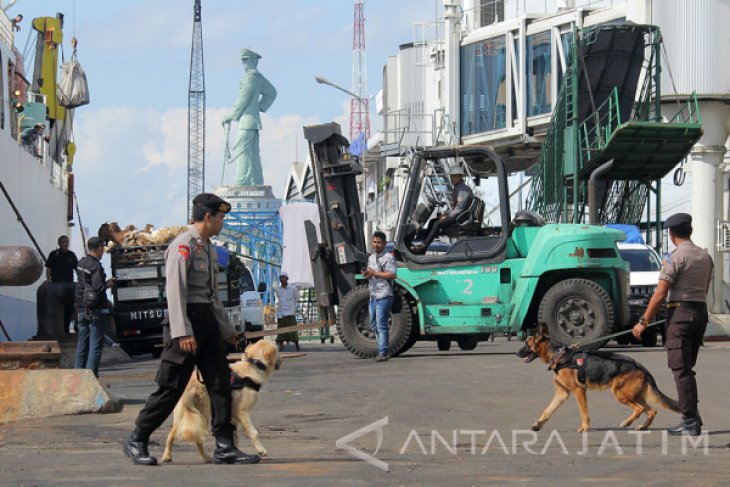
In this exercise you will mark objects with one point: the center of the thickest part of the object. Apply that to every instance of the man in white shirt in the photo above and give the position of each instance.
(286, 310)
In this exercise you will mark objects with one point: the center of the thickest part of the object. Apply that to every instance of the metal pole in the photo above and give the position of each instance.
(592, 203)
(22, 222)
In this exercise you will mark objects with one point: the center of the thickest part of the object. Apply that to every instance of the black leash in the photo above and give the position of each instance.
(614, 335)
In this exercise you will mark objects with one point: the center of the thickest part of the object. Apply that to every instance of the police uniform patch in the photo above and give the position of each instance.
(183, 252)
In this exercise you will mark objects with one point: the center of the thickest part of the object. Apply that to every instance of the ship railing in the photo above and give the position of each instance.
(7, 34)
(57, 173)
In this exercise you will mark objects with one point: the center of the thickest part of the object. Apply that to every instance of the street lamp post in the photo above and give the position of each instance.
(324, 81)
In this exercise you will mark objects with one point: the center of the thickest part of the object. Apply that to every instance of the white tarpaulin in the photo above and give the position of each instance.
(295, 259)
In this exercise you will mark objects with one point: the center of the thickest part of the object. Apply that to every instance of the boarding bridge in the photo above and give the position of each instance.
(607, 141)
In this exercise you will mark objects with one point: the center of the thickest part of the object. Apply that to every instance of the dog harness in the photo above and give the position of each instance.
(238, 382)
(577, 361)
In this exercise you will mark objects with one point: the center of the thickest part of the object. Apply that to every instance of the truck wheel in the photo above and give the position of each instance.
(444, 344)
(467, 343)
(353, 325)
(577, 311)
(649, 337)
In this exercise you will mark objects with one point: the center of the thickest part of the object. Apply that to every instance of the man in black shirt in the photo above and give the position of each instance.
(92, 306)
(61, 263)
(60, 269)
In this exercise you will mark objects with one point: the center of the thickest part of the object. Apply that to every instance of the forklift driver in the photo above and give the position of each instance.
(461, 196)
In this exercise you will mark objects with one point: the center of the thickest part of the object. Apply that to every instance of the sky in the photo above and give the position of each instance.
(131, 158)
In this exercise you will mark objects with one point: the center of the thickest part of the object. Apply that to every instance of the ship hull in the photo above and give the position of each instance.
(39, 195)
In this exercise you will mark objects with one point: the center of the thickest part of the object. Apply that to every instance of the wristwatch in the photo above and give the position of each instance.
(643, 321)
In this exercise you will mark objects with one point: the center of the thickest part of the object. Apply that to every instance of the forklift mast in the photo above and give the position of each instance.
(342, 253)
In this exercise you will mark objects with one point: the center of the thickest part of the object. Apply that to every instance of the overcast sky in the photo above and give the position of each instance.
(132, 139)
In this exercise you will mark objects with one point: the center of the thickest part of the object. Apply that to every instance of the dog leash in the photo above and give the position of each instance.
(614, 335)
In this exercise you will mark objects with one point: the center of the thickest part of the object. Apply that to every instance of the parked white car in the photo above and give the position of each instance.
(252, 311)
(645, 266)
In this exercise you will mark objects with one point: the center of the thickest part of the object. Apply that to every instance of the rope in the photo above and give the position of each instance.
(5, 332)
(614, 335)
(81, 225)
(671, 77)
(581, 56)
(22, 222)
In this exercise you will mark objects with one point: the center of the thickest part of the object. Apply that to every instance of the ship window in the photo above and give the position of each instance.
(483, 88)
(539, 68)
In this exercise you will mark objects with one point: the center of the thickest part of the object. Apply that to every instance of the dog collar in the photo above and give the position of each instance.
(238, 382)
(258, 363)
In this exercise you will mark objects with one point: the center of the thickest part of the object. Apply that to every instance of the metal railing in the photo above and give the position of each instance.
(597, 128)
(689, 111)
(7, 34)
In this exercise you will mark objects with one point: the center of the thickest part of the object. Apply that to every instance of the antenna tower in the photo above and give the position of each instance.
(196, 113)
(359, 107)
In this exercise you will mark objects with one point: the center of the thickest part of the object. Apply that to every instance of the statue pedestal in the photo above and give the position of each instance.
(229, 192)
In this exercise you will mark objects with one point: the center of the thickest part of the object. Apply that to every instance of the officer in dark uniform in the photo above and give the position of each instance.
(685, 279)
(198, 330)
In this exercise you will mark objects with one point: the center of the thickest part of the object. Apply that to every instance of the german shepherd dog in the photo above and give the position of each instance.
(629, 381)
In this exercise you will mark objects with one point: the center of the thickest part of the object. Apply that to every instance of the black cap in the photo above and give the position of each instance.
(678, 220)
(212, 202)
(94, 243)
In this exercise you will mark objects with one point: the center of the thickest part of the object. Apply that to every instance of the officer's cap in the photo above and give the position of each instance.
(248, 53)
(212, 202)
(456, 170)
(94, 243)
(678, 220)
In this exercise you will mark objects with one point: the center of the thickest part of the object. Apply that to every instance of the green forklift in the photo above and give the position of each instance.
(505, 271)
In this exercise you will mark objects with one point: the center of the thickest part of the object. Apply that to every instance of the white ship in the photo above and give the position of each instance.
(36, 176)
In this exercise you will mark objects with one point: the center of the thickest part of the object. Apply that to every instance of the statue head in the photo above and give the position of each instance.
(249, 57)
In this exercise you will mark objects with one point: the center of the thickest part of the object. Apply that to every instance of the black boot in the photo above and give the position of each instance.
(226, 452)
(136, 449)
(690, 425)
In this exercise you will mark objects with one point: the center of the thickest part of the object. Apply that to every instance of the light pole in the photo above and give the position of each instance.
(324, 81)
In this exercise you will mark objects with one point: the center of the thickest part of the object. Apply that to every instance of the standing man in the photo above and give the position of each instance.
(286, 311)
(461, 196)
(30, 138)
(60, 267)
(685, 278)
(92, 307)
(61, 263)
(380, 273)
(257, 95)
(196, 336)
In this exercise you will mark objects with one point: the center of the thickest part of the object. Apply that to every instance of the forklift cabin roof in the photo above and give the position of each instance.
(480, 159)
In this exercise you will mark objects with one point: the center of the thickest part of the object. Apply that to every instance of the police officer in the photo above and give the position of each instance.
(461, 196)
(685, 279)
(196, 336)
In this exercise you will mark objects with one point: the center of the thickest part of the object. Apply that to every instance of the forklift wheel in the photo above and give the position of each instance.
(467, 343)
(353, 324)
(577, 311)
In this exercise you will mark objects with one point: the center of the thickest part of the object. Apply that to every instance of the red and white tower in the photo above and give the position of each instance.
(359, 107)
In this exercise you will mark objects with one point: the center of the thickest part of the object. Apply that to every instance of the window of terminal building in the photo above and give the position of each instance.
(483, 87)
(539, 68)
(491, 11)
